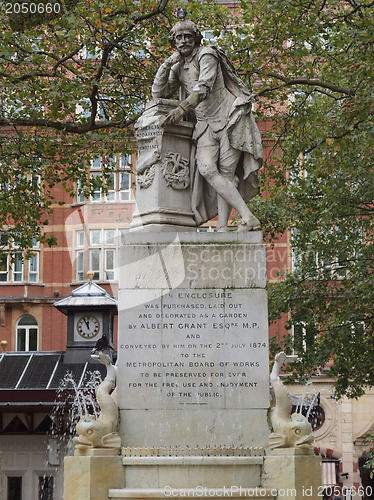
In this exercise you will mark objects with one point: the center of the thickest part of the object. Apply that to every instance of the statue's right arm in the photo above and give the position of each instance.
(166, 82)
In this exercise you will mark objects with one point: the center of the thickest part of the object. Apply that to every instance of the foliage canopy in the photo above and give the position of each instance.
(73, 84)
(315, 64)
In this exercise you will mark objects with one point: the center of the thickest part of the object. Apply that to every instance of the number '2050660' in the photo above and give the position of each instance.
(33, 8)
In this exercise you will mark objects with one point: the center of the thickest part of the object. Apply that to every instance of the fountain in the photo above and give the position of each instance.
(100, 430)
(294, 432)
(193, 386)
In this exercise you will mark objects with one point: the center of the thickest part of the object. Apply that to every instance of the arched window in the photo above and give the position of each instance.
(27, 334)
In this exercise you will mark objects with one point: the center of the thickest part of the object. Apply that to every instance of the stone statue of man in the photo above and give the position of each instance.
(228, 143)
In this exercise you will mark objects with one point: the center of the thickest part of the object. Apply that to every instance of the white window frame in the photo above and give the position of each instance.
(27, 329)
(109, 237)
(109, 271)
(18, 269)
(96, 163)
(94, 233)
(33, 273)
(80, 193)
(209, 37)
(79, 265)
(96, 196)
(98, 252)
(117, 190)
(303, 325)
(125, 194)
(110, 194)
(95, 254)
(125, 162)
(79, 255)
(87, 54)
(330, 269)
(16, 273)
(4, 271)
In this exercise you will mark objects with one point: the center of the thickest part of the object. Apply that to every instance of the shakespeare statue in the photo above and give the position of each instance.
(228, 152)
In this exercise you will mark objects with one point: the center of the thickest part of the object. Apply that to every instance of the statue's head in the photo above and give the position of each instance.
(185, 26)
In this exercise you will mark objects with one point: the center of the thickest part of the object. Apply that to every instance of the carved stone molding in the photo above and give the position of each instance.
(198, 451)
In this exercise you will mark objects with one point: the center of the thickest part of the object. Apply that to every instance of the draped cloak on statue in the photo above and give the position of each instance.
(241, 129)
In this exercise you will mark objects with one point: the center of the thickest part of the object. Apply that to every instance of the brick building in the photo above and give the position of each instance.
(89, 234)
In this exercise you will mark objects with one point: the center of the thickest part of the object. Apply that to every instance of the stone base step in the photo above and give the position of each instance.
(156, 473)
(231, 492)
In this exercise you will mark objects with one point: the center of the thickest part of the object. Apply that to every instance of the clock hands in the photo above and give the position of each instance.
(88, 326)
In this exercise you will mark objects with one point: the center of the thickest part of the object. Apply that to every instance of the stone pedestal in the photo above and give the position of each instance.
(163, 172)
(295, 473)
(91, 477)
(193, 340)
(193, 378)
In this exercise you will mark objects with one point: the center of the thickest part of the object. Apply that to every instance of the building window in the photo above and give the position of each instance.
(98, 253)
(45, 488)
(14, 268)
(95, 262)
(96, 180)
(27, 334)
(109, 261)
(110, 183)
(17, 266)
(317, 264)
(208, 37)
(117, 182)
(3, 267)
(34, 268)
(14, 488)
(79, 255)
(304, 334)
(80, 193)
(125, 186)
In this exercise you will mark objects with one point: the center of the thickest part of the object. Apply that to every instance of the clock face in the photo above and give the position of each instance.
(88, 326)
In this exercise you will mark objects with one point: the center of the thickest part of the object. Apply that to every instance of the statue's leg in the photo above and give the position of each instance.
(227, 165)
(208, 158)
(224, 210)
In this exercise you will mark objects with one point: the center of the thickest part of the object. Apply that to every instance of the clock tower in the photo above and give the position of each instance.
(90, 311)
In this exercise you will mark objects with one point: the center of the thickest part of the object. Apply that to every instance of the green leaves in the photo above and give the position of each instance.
(316, 68)
(72, 85)
(69, 85)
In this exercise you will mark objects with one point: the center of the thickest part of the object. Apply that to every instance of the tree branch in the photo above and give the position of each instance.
(66, 127)
(288, 82)
(160, 8)
(357, 8)
(340, 136)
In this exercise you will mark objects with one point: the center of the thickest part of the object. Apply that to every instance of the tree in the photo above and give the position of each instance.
(314, 65)
(74, 77)
(72, 84)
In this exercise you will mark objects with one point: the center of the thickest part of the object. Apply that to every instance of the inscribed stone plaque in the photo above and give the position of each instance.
(189, 348)
(193, 340)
